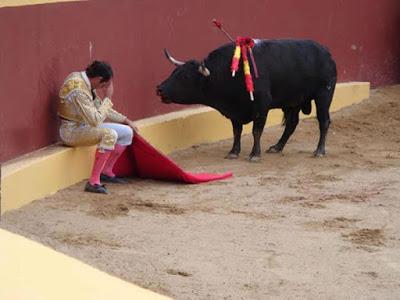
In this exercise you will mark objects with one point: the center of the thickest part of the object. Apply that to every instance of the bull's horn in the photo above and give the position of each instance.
(171, 59)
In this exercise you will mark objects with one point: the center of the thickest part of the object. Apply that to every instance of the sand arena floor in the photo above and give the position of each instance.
(291, 226)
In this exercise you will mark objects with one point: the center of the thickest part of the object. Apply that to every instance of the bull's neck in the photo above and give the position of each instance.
(210, 94)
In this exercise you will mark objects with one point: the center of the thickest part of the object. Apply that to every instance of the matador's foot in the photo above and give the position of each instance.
(96, 188)
(112, 179)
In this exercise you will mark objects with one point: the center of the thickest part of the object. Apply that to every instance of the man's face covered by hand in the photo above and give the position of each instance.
(105, 84)
(97, 83)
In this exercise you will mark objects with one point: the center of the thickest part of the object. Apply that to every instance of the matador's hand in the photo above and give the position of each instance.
(132, 125)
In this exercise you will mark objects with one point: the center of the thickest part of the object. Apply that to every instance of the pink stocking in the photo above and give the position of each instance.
(100, 160)
(108, 169)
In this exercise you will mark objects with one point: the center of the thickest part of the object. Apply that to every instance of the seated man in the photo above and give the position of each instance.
(83, 113)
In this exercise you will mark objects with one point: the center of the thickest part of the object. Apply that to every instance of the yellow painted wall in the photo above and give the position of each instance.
(43, 173)
(31, 271)
(7, 3)
(49, 170)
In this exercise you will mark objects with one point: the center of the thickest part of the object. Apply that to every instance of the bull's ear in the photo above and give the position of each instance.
(203, 70)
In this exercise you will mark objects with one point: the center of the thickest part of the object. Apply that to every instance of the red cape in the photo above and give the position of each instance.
(144, 161)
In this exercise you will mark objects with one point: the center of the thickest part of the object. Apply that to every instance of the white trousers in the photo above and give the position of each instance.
(124, 132)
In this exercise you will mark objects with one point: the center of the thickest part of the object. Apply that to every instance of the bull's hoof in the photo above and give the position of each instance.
(274, 149)
(254, 158)
(232, 156)
(318, 154)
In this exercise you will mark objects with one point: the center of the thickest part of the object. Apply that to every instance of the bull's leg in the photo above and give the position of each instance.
(323, 103)
(258, 127)
(237, 133)
(291, 121)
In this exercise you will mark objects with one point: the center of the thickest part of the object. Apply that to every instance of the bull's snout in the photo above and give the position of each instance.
(161, 94)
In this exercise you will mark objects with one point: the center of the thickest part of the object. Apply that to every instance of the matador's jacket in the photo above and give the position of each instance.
(82, 111)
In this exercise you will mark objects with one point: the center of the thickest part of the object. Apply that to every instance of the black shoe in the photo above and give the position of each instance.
(96, 188)
(115, 179)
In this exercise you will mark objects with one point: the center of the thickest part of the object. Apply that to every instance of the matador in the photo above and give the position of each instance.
(83, 114)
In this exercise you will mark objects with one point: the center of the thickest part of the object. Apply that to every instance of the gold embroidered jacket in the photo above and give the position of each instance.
(76, 103)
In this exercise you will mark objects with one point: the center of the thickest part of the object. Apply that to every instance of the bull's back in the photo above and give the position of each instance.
(294, 71)
(306, 57)
(287, 61)
(291, 61)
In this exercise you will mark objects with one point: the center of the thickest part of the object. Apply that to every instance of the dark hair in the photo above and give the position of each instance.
(100, 68)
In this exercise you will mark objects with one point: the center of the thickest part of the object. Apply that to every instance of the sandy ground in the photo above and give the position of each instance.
(291, 226)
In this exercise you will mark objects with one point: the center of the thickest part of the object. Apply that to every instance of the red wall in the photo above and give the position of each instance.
(41, 44)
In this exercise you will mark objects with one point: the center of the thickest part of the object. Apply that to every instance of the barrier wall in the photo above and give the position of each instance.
(45, 42)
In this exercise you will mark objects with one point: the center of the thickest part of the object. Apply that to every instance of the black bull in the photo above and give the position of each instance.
(292, 73)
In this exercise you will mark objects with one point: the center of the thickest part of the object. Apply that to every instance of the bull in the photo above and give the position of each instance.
(291, 74)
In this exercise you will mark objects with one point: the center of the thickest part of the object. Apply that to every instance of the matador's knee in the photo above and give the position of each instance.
(108, 139)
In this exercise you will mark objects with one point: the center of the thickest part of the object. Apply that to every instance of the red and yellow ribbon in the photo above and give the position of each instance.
(244, 44)
(235, 60)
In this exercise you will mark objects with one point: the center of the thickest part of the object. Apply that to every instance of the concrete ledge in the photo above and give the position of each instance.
(42, 173)
(30, 270)
(46, 171)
